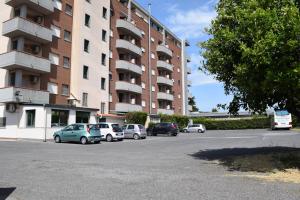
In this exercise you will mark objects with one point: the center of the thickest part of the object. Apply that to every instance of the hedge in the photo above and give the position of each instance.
(232, 124)
(136, 118)
(181, 121)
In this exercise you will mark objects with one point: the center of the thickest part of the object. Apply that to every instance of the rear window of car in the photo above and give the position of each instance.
(94, 126)
(116, 127)
(141, 127)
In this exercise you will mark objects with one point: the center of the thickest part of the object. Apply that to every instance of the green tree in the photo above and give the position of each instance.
(192, 103)
(214, 110)
(254, 49)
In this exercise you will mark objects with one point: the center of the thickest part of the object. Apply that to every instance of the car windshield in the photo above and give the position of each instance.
(116, 128)
(141, 127)
(282, 112)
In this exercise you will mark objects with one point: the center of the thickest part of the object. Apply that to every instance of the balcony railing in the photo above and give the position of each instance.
(164, 49)
(130, 87)
(17, 60)
(126, 45)
(124, 24)
(126, 107)
(22, 95)
(165, 111)
(125, 65)
(42, 6)
(165, 65)
(164, 80)
(18, 26)
(165, 96)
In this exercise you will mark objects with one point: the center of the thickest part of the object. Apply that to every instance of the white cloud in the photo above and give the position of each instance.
(197, 77)
(191, 23)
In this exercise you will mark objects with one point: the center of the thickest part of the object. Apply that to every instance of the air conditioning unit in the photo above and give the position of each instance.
(34, 79)
(11, 107)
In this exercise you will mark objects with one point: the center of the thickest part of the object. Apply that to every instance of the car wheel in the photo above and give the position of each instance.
(83, 140)
(199, 131)
(97, 142)
(120, 139)
(57, 139)
(136, 136)
(185, 131)
(109, 138)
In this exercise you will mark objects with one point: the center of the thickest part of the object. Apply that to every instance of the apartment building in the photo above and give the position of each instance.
(67, 61)
(147, 63)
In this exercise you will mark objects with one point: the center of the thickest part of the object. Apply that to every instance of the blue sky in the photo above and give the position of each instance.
(187, 19)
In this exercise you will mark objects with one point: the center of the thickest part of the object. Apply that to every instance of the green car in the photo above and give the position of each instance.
(83, 133)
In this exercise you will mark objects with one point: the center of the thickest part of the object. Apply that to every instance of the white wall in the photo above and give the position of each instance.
(92, 86)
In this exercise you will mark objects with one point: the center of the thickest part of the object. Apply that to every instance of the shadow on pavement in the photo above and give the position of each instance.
(262, 159)
(5, 192)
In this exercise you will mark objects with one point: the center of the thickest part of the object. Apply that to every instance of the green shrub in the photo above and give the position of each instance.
(151, 125)
(232, 124)
(295, 121)
(136, 117)
(181, 121)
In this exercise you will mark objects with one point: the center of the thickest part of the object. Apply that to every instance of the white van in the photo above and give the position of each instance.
(282, 119)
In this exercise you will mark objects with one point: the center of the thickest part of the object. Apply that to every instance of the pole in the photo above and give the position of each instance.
(149, 60)
(45, 129)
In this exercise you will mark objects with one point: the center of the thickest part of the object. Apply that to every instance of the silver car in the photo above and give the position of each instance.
(135, 131)
(195, 128)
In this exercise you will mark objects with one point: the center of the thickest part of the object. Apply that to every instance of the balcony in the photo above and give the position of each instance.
(165, 50)
(126, 107)
(165, 96)
(165, 65)
(189, 70)
(164, 80)
(189, 83)
(22, 95)
(22, 60)
(125, 86)
(22, 27)
(129, 27)
(165, 111)
(42, 6)
(128, 46)
(125, 65)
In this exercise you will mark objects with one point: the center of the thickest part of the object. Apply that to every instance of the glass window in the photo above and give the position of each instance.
(85, 72)
(2, 121)
(87, 20)
(103, 83)
(69, 9)
(65, 90)
(104, 126)
(66, 62)
(103, 59)
(131, 127)
(104, 34)
(67, 36)
(104, 12)
(59, 118)
(82, 117)
(30, 118)
(84, 101)
(86, 45)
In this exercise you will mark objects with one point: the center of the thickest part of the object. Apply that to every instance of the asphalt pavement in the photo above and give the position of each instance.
(157, 168)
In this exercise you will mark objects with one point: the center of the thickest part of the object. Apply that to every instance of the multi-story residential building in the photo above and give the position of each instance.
(67, 61)
(146, 63)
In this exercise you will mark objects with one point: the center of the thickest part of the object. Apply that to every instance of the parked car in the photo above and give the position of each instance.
(195, 128)
(167, 128)
(111, 131)
(83, 133)
(135, 131)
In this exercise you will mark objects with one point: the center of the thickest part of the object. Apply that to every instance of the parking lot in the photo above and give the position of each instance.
(155, 168)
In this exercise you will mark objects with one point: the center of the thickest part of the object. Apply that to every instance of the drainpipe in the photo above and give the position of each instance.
(149, 60)
(129, 11)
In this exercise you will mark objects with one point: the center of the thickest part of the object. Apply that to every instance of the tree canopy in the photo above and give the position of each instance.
(254, 49)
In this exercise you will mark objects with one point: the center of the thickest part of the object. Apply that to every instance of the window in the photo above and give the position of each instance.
(153, 105)
(102, 110)
(104, 13)
(131, 127)
(103, 126)
(143, 85)
(153, 72)
(103, 80)
(54, 58)
(69, 9)
(153, 88)
(85, 72)
(110, 77)
(59, 118)
(152, 55)
(87, 20)
(66, 62)
(110, 98)
(144, 103)
(55, 31)
(104, 35)
(30, 118)
(82, 117)
(143, 68)
(52, 88)
(110, 54)
(15, 45)
(103, 59)
(2, 121)
(57, 4)
(84, 99)
(89, 1)
(67, 36)
(86, 45)
(65, 90)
